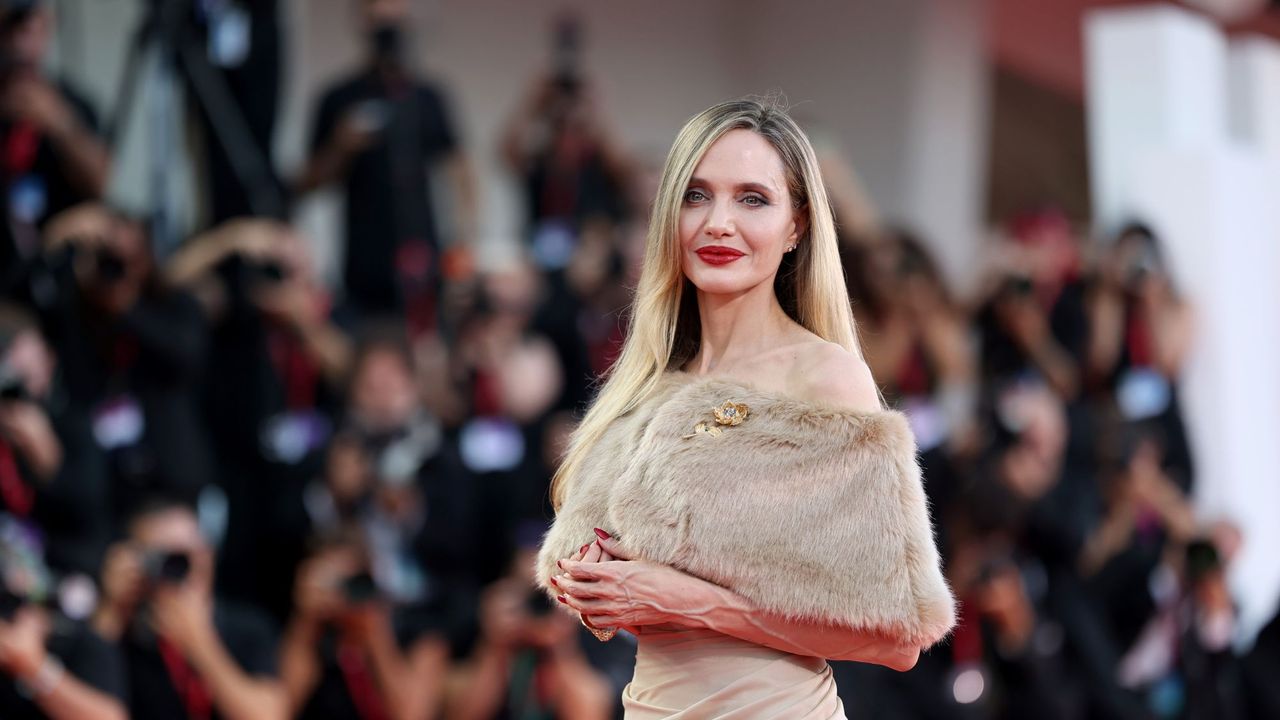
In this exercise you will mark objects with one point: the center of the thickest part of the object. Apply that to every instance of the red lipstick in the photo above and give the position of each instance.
(718, 254)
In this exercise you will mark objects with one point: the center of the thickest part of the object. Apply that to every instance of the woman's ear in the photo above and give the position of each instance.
(800, 216)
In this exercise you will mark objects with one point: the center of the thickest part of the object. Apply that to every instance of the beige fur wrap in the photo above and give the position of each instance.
(809, 511)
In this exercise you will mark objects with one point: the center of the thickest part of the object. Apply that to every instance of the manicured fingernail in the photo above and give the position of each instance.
(553, 582)
(560, 564)
(584, 548)
(561, 599)
(603, 535)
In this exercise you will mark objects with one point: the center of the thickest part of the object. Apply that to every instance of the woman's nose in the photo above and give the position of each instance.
(720, 221)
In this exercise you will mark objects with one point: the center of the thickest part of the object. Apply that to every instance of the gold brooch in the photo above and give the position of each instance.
(731, 413)
(728, 414)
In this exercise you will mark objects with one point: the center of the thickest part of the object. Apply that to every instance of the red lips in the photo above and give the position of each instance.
(718, 254)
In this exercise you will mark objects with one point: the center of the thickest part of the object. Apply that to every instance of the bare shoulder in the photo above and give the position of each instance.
(827, 373)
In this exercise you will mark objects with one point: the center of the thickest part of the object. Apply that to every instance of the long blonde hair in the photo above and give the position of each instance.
(665, 330)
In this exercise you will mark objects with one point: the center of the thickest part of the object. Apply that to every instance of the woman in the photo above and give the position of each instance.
(749, 508)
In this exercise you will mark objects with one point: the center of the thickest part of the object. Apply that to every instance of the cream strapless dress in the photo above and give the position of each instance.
(686, 674)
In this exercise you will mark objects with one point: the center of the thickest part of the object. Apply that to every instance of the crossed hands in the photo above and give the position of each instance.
(611, 589)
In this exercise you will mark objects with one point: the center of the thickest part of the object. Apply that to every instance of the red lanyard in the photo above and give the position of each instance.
(294, 369)
(18, 496)
(364, 693)
(20, 149)
(192, 690)
(1138, 338)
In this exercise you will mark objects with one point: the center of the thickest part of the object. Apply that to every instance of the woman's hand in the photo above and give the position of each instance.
(630, 594)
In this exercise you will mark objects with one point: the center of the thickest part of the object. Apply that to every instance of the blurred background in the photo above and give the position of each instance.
(300, 300)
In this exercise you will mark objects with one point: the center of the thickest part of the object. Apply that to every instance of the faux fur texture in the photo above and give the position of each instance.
(809, 511)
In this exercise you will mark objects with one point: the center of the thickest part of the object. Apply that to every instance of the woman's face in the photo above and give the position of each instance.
(738, 217)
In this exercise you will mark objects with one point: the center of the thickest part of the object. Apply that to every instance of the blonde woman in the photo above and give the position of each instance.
(736, 497)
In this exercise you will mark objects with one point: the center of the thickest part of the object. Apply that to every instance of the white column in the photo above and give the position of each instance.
(1154, 79)
(948, 121)
(1161, 152)
(1254, 93)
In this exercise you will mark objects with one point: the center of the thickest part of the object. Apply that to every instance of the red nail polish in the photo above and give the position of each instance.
(553, 582)
(560, 564)
(583, 548)
(561, 599)
(603, 535)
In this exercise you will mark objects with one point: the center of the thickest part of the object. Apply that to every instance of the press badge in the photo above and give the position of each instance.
(28, 199)
(1142, 393)
(119, 422)
(291, 436)
(229, 32)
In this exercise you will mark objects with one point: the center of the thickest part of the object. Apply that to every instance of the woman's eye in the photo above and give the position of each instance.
(754, 201)
(694, 196)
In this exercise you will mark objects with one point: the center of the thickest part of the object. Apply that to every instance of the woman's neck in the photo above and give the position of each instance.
(738, 327)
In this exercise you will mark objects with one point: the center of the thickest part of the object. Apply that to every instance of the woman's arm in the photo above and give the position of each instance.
(638, 593)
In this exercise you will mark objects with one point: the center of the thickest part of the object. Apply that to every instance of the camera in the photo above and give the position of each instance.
(359, 589)
(565, 48)
(166, 568)
(15, 12)
(1202, 559)
(1017, 286)
(12, 387)
(537, 604)
(269, 271)
(108, 265)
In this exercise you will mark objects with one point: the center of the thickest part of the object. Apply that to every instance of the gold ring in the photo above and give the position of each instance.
(603, 635)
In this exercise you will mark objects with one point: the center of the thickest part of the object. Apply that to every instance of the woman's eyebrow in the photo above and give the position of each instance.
(739, 187)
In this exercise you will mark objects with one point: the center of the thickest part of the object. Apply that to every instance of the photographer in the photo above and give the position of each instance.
(1033, 319)
(51, 474)
(189, 655)
(529, 660)
(276, 368)
(395, 473)
(50, 666)
(561, 150)
(348, 654)
(1140, 333)
(377, 133)
(130, 352)
(52, 156)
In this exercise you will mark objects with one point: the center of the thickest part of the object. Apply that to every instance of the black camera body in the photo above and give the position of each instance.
(166, 568)
(359, 589)
(12, 387)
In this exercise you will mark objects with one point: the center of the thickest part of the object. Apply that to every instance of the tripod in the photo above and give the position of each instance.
(170, 31)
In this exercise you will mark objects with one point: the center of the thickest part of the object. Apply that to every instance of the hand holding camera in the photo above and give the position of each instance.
(333, 588)
(22, 642)
(26, 426)
(30, 98)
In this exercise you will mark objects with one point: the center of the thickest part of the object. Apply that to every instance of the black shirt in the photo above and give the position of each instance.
(387, 185)
(248, 637)
(135, 377)
(334, 696)
(85, 656)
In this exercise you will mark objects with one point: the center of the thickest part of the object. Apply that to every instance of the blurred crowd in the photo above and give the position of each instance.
(228, 490)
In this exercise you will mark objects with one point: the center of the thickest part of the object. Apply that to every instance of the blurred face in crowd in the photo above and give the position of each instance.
(29, 359)
(384, 395)
(738, 216)
(27, 40)
(175, 530)
(116, 270)
(383, 13)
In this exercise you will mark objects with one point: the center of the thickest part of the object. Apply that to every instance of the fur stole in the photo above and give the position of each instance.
(809, 511)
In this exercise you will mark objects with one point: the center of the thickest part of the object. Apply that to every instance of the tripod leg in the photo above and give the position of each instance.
(127, 91)
(249, 162)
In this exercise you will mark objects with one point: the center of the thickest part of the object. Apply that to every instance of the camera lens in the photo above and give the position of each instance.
(168, 567)
(109, 266)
